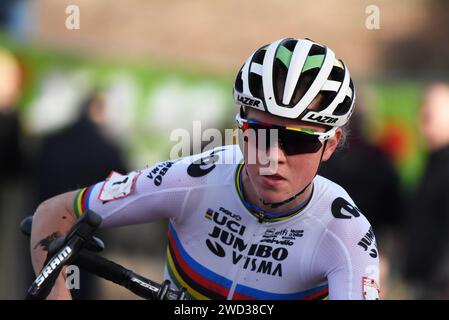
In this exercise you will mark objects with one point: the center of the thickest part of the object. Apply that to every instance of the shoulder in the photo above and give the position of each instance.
(208, 167)
(344, 227)
(337, 211)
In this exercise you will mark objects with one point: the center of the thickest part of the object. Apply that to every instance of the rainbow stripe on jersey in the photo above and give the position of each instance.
(202, 283)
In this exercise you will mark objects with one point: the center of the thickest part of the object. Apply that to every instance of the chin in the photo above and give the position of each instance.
(271, 196)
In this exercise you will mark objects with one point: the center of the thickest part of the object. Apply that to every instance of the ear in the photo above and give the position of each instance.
(332, 144)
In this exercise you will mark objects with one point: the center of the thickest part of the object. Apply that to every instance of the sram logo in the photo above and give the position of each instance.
(48, 270)
(321, 119)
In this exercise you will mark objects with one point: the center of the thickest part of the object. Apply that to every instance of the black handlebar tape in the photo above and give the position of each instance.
(103, 267)
(118, 274)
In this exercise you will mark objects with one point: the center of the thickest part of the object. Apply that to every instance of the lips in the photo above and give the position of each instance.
(275, 177)
(272, 179)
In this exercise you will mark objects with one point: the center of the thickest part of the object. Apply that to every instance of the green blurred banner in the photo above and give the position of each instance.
(147, 101)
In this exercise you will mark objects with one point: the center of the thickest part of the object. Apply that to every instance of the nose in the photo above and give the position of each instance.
(281, 151)
(276, 152)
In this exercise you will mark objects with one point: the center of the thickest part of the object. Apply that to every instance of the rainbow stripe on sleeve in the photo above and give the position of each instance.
(81, 203)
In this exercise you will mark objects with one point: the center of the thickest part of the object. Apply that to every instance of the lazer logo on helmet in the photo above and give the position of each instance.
(316, 117)
(48, 270)
(248, 101)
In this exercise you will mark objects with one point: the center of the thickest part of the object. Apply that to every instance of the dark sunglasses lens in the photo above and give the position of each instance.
(293, 142)
(258, 133)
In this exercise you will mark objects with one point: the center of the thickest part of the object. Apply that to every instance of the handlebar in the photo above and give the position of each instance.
(137, 284)
(77, 248)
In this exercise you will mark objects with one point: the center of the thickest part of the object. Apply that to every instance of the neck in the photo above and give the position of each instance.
(251, 196)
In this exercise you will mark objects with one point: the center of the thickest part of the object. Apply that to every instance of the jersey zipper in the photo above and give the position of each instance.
(239, 266)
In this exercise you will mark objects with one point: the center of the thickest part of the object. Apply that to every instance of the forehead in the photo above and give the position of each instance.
(266, 117)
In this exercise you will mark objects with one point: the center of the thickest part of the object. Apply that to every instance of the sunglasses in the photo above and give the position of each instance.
(291, 140)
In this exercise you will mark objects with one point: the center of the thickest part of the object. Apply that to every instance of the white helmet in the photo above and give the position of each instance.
(284, 77)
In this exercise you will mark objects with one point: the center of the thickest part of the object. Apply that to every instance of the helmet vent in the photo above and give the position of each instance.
(239, 81)
(317, 50)
(343, 107)
(280, 74)
(303, 85)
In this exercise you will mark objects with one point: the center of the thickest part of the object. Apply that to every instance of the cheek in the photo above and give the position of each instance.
(303, 166)
(253, 171)
(249, 148)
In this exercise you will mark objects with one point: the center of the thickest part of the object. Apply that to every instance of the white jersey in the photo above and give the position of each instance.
(220, 249)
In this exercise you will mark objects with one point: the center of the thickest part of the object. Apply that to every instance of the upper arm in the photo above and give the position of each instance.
(140, 196)
(348, 257)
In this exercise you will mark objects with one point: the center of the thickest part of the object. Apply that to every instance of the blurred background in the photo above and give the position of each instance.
(90, 86)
